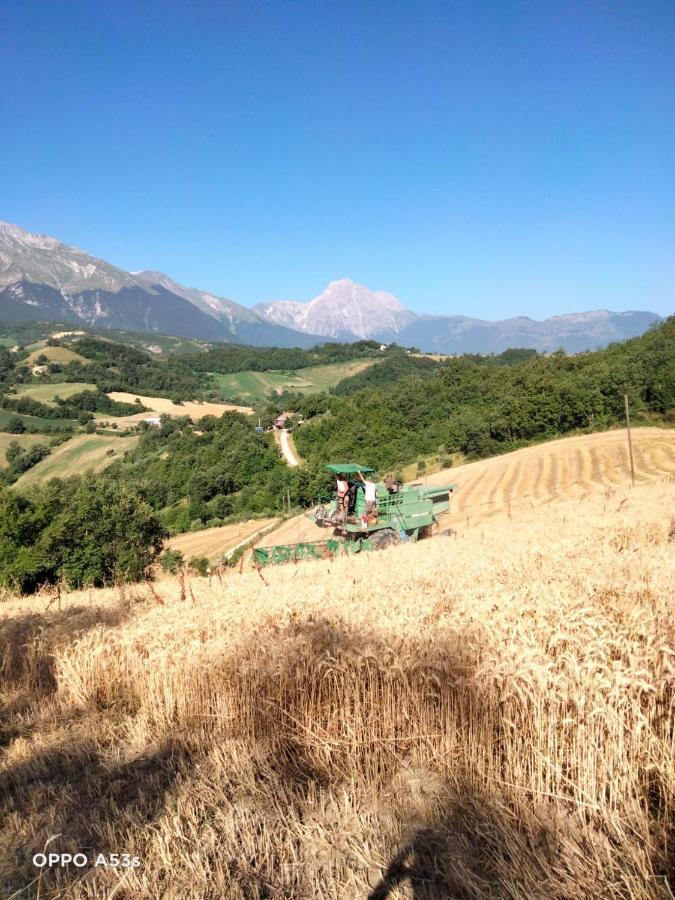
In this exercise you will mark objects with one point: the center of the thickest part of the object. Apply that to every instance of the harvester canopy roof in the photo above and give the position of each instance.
(347, 468)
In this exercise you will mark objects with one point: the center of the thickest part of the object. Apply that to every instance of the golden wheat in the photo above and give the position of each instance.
(489, 715)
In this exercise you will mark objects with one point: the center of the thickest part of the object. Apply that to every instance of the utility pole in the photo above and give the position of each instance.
(630, 442)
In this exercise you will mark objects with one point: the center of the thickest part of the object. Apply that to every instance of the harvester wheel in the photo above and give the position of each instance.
(386, 537)
(448, 532)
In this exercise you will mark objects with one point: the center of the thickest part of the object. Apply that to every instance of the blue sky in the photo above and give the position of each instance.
(486, 158)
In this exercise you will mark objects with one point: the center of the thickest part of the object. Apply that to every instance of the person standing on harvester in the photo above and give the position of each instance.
(371, 495)
(343, 492)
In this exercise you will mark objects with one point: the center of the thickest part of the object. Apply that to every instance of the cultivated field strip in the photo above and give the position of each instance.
(82, 453)
(212, 542)
(570, 467)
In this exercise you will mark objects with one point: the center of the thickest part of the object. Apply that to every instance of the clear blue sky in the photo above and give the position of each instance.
(486, 158)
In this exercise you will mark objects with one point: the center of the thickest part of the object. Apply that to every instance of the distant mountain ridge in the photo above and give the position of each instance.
(347, 311)
(43, 279)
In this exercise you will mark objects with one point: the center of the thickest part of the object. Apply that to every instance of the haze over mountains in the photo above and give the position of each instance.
(42, 279)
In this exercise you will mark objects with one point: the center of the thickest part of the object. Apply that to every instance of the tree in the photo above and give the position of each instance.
(172, 561)
(107, 532)
(16, 425)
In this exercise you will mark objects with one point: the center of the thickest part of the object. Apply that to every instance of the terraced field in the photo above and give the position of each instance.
(255, 386)
(85, 452)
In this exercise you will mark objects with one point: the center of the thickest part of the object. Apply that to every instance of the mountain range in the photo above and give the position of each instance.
(42, 279)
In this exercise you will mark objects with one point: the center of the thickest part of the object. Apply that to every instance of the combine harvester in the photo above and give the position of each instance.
(402, 513)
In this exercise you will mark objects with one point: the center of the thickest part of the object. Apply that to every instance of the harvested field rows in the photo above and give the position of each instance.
(507, 485)
(570, 467)
(212, 542)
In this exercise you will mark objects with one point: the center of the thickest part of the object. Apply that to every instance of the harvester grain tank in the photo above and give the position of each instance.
(403, 513)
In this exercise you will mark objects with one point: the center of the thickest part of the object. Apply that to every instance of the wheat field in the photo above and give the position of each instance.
(484, 716)
(578, 466)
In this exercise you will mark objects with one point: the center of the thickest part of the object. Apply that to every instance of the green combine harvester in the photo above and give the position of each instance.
(401, 513)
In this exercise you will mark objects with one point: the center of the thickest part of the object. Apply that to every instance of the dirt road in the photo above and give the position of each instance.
(288, 448)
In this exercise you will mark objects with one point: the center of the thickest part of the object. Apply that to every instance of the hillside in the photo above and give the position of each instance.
(570, 468)
(489, 717)
(255, 387)
(82, 453)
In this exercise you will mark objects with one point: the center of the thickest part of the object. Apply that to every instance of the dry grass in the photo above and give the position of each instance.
(82, 453)
(196, 410)
(212, 542)
(488, 716)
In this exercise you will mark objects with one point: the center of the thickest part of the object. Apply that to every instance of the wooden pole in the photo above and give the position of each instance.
(630, 442)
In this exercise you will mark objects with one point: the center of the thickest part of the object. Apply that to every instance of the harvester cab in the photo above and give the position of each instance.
(400, 513)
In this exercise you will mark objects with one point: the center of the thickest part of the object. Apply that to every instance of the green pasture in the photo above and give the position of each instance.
(84, 452)
(45, 393)
(254, 387)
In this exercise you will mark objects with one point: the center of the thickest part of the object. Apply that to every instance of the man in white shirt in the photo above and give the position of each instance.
(371, 495)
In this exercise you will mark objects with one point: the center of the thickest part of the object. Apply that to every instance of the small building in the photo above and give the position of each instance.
(154, 421)
(40, 370)
(383, 347)
(280, 421)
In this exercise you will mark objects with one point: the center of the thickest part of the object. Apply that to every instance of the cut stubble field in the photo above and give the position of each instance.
(214, 542)
(194, 409)
(580, 466)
